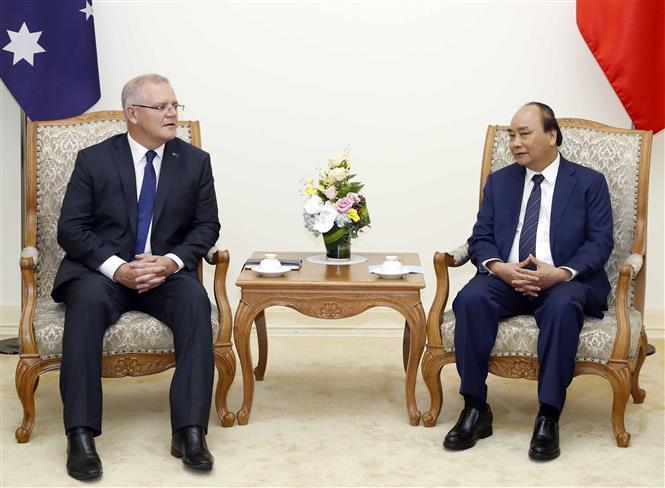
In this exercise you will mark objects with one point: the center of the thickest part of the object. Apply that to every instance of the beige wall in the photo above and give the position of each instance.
(280, 86)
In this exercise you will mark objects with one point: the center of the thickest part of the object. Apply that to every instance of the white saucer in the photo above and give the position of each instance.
(391, 276)
(271, 274)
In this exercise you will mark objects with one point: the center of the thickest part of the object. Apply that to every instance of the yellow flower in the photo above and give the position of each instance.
(353, 215)
(310, 191)
(321, 187)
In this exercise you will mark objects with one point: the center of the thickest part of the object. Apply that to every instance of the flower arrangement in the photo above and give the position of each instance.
(334, 206)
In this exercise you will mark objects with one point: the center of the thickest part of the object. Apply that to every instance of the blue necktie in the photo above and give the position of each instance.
(146, 202)
(530, 227)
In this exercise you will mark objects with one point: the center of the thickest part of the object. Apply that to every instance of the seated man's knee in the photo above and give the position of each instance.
(192, 295)
(563, 302)
(563, 310)
(92, 291)
(470, 297)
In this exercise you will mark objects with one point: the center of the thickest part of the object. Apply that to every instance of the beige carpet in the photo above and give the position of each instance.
(331, 412)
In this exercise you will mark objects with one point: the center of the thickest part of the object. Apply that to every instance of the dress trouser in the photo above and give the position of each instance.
(559, 312)
(93, 303)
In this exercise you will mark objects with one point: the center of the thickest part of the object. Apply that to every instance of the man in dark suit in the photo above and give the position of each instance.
(139, 214)
(541, 239)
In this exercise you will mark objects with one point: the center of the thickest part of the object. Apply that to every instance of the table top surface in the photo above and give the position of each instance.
(331, 275)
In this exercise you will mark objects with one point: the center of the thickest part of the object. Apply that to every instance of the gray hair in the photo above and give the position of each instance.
(133, 87)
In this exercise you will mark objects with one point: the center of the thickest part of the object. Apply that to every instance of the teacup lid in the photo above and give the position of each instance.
(269, 263)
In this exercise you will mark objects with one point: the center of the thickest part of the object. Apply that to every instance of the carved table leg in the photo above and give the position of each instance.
(262, 337)
(406, 344)
(225, 361)
(416, 322)
(242, 326)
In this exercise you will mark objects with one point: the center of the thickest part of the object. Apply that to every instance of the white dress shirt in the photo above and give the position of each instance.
(543, 250)
(111, 265)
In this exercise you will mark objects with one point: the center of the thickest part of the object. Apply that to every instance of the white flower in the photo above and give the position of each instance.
(342, 219)
(325, 220)
(338, 174)
(313, 204)
(336, 161)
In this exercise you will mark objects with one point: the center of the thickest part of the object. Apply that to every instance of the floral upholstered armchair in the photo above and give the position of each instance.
(137, 344)
(614, 347)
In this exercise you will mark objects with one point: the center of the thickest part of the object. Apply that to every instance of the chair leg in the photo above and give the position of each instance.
(406, 344)
(262, 336)
(433, 362)
(225, 362)
(27, 379)
(638, 393)
(621, 382)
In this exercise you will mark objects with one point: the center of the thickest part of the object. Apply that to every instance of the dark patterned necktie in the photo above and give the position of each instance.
(530, 226)
(146, 202)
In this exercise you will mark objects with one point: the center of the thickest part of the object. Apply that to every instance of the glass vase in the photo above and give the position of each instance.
(338, 243)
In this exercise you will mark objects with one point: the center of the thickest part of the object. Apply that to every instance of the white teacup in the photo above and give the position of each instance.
(391, 265)
(270, 264)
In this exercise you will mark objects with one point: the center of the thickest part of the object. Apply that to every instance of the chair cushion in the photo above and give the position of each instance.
(518, 336)
(133, 332)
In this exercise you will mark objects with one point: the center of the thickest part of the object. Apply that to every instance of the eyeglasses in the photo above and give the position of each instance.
(162, 108)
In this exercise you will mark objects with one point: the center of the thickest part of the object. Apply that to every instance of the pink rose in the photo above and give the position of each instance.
(353, 196)
(330, 192)
(344, 204)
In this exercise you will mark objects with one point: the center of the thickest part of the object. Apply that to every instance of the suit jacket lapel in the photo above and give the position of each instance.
(122, 157)
(563, 189)
(170, 163)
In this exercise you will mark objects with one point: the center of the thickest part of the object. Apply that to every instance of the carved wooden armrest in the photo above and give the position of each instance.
(458, 256)
(211, 255)
(221, 259)
(622, 341)
(28, 263)
(29, 257)
(635, 261)
(443, 261)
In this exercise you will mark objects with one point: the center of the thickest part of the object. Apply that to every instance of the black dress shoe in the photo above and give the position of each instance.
(189, 443)
(473, 424)
(83, 463)
(545, 439)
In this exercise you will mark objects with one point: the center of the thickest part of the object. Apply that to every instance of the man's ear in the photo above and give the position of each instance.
(552, 136)
(130, 115)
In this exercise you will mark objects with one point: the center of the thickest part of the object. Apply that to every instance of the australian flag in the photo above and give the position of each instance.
(48, 56)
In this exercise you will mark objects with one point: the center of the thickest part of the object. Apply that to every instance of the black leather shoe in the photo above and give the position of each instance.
(83, 463)
(189, 443)
(545, 439)
(473, 424)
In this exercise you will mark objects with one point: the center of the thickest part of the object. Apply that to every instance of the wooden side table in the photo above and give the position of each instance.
(329, 292)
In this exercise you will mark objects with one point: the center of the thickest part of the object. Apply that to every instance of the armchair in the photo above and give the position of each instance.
(137, 344)
(614, 347)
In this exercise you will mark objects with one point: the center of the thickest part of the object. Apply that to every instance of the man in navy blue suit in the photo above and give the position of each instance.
(540, 242)
(139, 213)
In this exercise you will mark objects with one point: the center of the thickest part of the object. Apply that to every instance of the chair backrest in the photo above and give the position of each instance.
(623, 156)
(51, 153)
